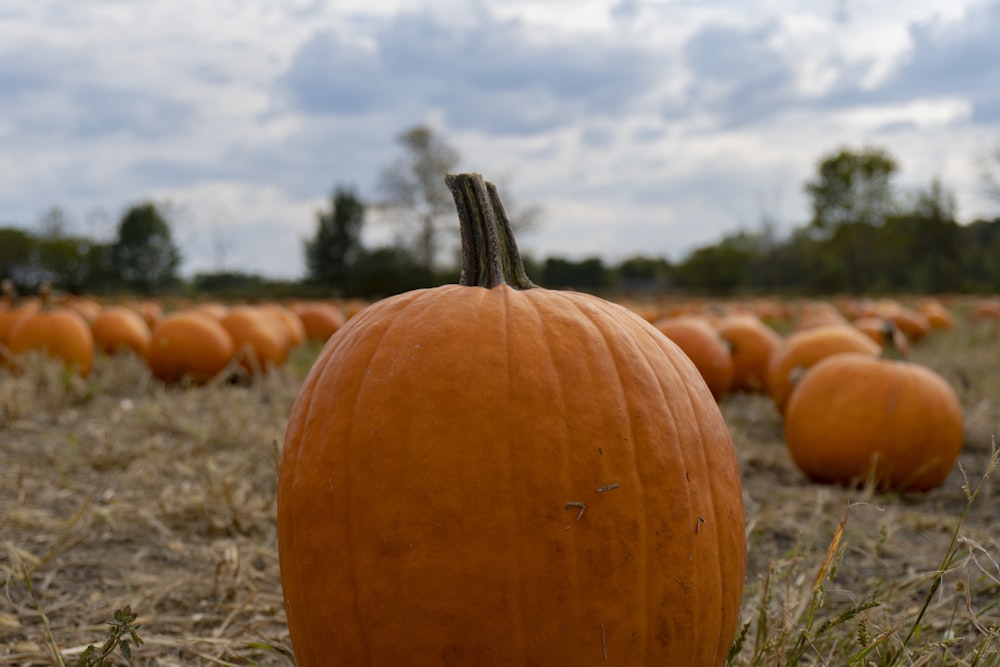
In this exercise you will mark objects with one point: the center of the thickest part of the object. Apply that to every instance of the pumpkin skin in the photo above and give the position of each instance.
(117, 327)
(189, 344)
(320, 320)
(262, 342)
(705, 347)
(61, 333)
(478, 475)
(802, 349)
(855, 416)
(751, 343)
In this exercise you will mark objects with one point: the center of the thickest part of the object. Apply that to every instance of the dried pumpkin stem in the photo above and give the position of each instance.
(489, 252)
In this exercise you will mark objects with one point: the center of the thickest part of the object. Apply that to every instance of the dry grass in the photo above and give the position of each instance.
(120, 492)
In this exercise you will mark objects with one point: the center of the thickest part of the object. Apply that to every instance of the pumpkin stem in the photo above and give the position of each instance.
(489, 252)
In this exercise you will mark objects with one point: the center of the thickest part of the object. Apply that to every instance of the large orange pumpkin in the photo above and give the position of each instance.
(855, 417)
(493, 473)
(262, 341)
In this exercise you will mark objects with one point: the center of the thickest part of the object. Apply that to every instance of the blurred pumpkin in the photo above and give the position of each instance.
(751, 344)
(855, 417)
(262, 342)
(57, 331)
(120, 328)
(320, 320)
(703, 345)
(801, 349)
(189, 344)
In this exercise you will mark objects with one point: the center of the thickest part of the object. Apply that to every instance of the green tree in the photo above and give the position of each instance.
(390, 270)
(64, 262)
(641, 273)
(588, 274)
(414, 189)
(332, 253)
(853, 187)
(144, 253)
(717, 269)
(18, 256)
(851, 195)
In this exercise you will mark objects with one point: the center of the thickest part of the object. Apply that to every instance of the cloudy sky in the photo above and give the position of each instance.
(638, 126)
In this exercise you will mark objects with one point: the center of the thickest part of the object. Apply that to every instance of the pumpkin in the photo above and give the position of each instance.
(704, 346)
(885, 333)
(262, 342)
(496, 473)
(751, 343)
(802, 349)
(14, 311)
(189, 344)
(120, 328)
(59, 332)
(914, 325)
(856, 417)
(290, 322)
(320, 320)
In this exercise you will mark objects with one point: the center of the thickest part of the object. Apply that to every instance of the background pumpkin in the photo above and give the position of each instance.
(511, 476)
(59, 332)
(188, 344)
(855, 416)
(802, 349)
(751, 343)
(120, 328)
(262, 341)
(320, 320)
(703, 345)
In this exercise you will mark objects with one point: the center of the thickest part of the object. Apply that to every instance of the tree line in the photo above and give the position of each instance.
(864, 236)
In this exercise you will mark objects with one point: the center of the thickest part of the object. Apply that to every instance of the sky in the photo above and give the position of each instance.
(636, 127)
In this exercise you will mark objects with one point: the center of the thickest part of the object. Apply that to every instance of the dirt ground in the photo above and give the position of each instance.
(118, 491)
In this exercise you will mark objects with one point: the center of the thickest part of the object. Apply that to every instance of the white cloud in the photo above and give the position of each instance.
(646, 127)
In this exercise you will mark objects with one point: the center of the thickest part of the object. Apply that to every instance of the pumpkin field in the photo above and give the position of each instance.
(121, 491)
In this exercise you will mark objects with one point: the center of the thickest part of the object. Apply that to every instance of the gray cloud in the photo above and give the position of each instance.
(737, 75)
(490, 76)
(957, 59)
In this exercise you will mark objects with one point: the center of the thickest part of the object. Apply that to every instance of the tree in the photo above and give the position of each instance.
(852, 187)
(144, 253)
(852, 195)
(332, 254)
(18, 256)
(414, 186)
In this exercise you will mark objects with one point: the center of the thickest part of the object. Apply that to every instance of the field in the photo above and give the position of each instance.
(120, 492)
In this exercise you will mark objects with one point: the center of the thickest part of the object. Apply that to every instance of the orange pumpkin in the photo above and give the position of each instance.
(320, 320)
(494, 473)
(855, 417)
(61, 333)
(8, 320)
(290, 322)
(751, 343)
(802, 349)
(704, 346)
(120, 328)
(885, 334)
(261, 341)
(188, 344)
